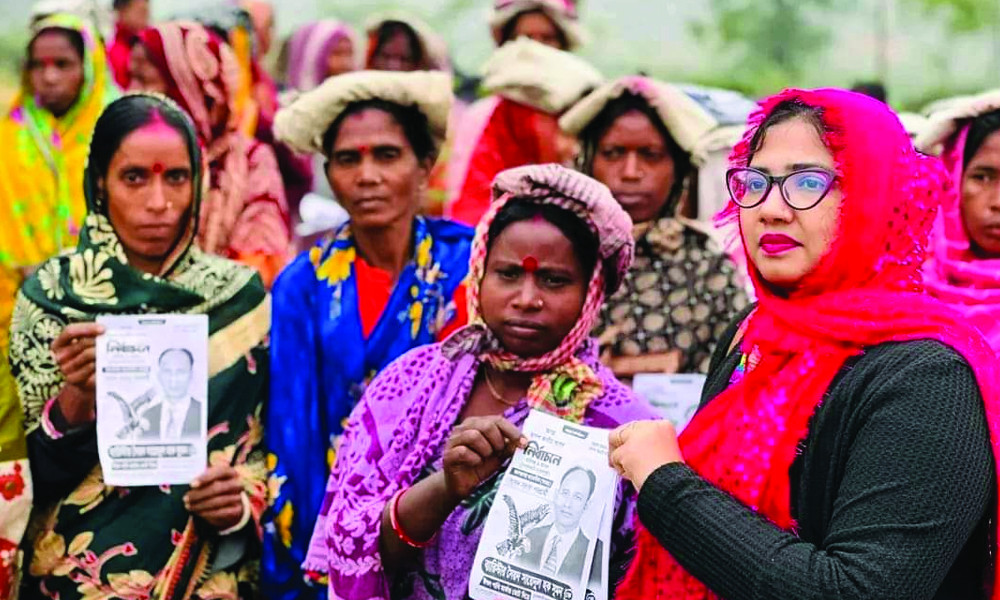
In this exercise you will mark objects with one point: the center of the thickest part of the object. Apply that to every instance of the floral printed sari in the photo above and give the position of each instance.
(92, 541)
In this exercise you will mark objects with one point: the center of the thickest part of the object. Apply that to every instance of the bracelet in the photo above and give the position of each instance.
(394, 521)
(48, 426)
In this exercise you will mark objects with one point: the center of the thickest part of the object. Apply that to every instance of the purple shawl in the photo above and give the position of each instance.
(394, 438)
(309, 49)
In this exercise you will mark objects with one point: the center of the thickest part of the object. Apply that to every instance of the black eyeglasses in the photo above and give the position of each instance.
(801, 190)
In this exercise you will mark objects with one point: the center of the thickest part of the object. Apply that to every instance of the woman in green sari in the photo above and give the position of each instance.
(89, 540)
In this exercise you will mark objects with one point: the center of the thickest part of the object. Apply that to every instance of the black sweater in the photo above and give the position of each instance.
(893, 491)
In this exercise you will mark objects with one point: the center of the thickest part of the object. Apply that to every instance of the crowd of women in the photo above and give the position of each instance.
(395, 278)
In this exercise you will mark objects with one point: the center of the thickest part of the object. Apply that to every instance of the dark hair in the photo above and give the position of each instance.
(590, 139)
(414, 124)
(391, 29)
(75, 39)
(980, 129)
(872, 89)
(120, 4)
(590, 475)
(786, 111)
(183, 351)
(507, 33)
(579, 234)
(121, 118)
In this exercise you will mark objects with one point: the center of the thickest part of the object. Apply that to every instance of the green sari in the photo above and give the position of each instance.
(92, 541)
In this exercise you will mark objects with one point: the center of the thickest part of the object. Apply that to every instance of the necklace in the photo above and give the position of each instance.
(496, 395)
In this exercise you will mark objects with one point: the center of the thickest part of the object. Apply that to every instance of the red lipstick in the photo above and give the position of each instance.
(777, 243)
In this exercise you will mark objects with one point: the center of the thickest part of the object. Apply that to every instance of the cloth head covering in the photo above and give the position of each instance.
(541, 77)
(303, 124)
(914, 123)
(201, 72)
(260, 11)
(234, 25)
(99, 17)
(94, 280)
(55, 146)
(562, 12)
(42, 158)
(432, 45)
(594, 204)
(309, 48)
(687, 121)
(969, 284)
(859, 295)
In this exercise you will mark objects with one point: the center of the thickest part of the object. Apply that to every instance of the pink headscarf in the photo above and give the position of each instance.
(593, 203)
(953, 274)
(860, 295)
(309, 49)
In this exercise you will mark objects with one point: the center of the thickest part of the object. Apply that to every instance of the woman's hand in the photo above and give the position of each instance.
(640, 447)
(75, 351)
(217, 496)
(476, 450)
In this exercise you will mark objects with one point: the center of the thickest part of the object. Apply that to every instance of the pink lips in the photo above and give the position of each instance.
(777, 243)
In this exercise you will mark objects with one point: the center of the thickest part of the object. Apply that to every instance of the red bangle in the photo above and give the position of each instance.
(394, 520)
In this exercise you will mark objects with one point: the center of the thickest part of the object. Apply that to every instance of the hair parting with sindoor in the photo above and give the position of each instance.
(124, 116)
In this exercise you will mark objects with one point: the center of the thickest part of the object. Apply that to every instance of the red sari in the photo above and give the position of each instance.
(514, 135)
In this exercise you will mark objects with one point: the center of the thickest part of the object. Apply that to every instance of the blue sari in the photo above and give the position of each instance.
(321, 362)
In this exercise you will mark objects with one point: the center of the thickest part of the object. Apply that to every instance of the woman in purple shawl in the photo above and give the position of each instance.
(433, 433)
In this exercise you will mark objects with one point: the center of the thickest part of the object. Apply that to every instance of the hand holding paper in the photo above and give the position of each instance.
(476, 450)
(216, 496)
(151, 398)
(639, 448)
(75, 352)
(548, 531)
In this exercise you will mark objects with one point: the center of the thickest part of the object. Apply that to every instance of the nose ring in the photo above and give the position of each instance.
(538, 304)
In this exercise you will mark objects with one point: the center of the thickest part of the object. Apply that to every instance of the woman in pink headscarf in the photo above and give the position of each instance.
(845, 446)
(964, 269)
(319, 50)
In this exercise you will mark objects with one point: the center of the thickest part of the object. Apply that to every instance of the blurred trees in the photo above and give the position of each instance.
(965, 15)
(764, 45)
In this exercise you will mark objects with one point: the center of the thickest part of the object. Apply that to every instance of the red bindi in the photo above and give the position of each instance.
(157, 168)
(530, 264)
(364, 150)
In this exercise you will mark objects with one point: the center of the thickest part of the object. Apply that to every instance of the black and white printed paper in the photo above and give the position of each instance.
(548, 531)
(152, 399)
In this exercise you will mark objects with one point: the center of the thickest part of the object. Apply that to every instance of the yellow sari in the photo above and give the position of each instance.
(42, 159)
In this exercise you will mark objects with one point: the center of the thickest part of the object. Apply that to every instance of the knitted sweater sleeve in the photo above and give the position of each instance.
(917, 480)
